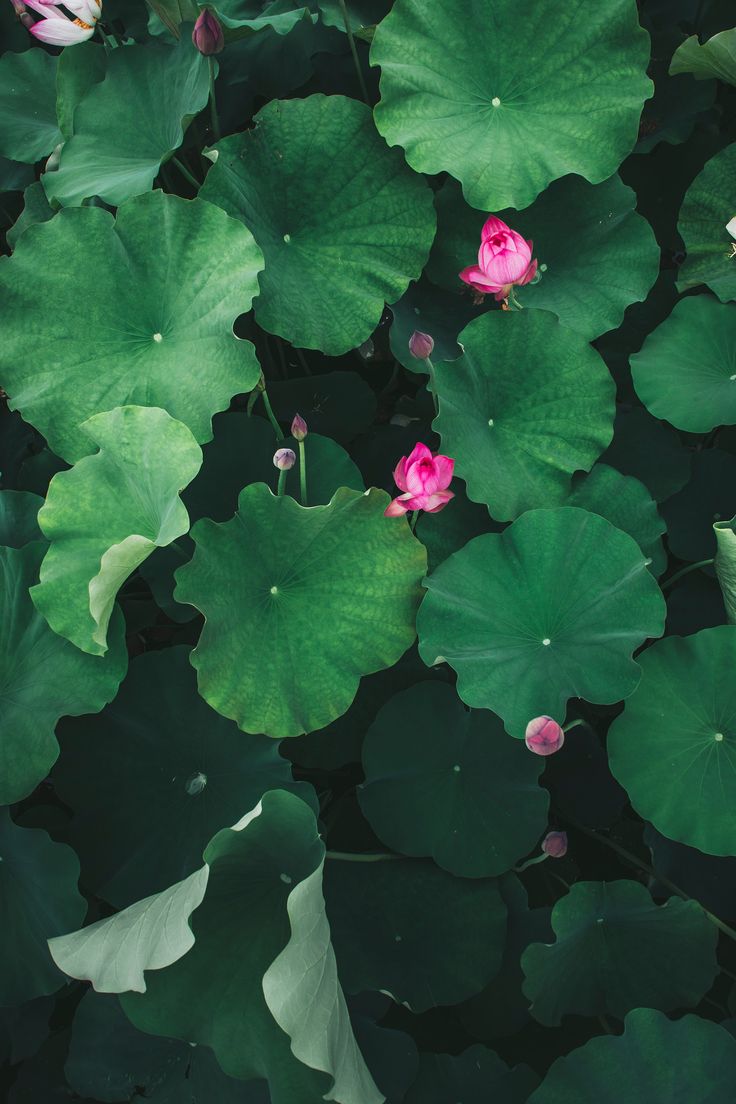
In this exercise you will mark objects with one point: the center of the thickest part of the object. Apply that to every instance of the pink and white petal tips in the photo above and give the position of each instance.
(424, 479)
(544, 736)
(57, 29)
(504, 259)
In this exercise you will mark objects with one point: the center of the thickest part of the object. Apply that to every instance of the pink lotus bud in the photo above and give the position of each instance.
(554, 844)
(504, 259)
(207, 35)
(298, 428)
(421, 345)
(284, 458)
(424, 479)
(544, 736)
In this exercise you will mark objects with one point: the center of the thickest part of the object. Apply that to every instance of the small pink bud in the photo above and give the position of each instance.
(421, 345)
(207, 35)
(554, 844)
(544, 736)
(298, 428)
(284, 459)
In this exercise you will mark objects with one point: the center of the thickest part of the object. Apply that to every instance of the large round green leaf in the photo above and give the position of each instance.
(108, 513)
(273, 584)
(186, 772)
(673, 749)
(38, 899)
(616, 950)
(655, 1060)
(344, 225)
(473, 1077)
(447, 782)
(508, 101)
(550, 609)
(527, 404)
(28, 127)
(136, 311)
(706, 210)
(411, 930)
(130, 122)
(599, 254)
(42, 677)
(686, 370)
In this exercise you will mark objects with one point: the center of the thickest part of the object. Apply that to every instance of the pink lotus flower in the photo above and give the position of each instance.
(504, 259)
(58, 29)
(544, 736)
(424, 479)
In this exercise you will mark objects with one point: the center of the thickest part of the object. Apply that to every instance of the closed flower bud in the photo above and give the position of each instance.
(298, 428)
(421, 345)
(554, 844)
(284, 459)
(207, 35)
(544, 736)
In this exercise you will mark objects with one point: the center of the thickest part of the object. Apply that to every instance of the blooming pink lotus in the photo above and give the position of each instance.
(424, 479)
(504, 259)
(57, 29)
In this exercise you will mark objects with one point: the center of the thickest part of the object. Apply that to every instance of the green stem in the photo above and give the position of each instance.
(213, 103)
(573, 724)
(354, 51)
(186, 173)
(633, 860)
(605, 1024)
(303, 361)
(350, 856)
(110, 42)
(281, 483)
(531, 862)
(413, 519)
(303, 473)
(432, 385)
(685, 571)
(271, 415)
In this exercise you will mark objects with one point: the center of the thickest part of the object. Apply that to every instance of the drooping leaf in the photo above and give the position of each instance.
(28, 127)
(599, 254)
(673, 749)
(725, 564)
(137, 311)
(550, 609)
(256, 920)
(186, 772)
(411, 930)
(655, 1059)
(130, 122)
(42, 677)
(616, 950)
(108, 513)
(706, 210)
(489, 101)
(274, 581)
(527, 405)
(686, 370)
(448, 783)
(344, 225)
(714, 58)
(38, 899)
